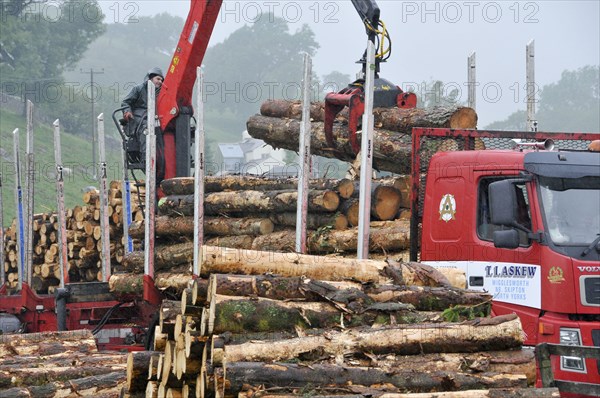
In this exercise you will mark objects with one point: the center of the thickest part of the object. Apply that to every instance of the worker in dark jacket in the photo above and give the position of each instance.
(134, 115)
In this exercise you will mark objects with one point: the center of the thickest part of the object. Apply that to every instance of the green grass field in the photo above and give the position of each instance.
(76, 156)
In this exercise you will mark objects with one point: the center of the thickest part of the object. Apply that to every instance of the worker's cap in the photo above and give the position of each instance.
(155, 72)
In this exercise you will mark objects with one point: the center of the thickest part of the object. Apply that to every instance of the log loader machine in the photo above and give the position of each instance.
(542, 263)
(124, 322)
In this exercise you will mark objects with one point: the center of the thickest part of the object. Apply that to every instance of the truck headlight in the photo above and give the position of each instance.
(571, 337)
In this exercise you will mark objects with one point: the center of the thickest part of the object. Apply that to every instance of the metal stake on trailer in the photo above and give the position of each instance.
(126, 194)
(2, 272)
(150, 182)
(29, 198)
(104, 225)
(305, 163)
(530, 59)
(472, 80)
(60, 204)
(366, 153)
(199, 177)
(19, 203)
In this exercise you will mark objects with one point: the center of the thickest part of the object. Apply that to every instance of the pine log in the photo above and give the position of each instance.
(400, 340)
(236, 241)
(391, 151)
(27, 376)
(505, 362)
(185, 185)
(248, 202)
(132, 285)
(292, 109)
(318, 376)
(350, 208)
(391, 237)
(106, 385)
(47, 343)
(356, 298)
(137, 369)
(314, 221)
(240, 314)
(395, 119)
(63, 360)
(251, 262)
(220, 226)
(351, 392)
(265, 286)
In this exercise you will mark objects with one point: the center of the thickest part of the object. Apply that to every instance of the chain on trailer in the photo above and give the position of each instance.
(427, 142)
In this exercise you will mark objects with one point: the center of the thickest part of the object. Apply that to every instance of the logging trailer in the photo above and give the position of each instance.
(504, 215)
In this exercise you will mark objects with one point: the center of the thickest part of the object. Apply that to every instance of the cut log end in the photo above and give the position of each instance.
(463, 118)
(331, 200)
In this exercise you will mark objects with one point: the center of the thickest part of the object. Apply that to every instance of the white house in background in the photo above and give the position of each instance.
(229, 160)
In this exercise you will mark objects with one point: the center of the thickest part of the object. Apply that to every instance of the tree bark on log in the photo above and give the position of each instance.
(503, 362)
(124, 285)
(391, 136)
(105, 385)
(240, 314)
(63, 360)
(391, 237)
(395, 119)
(185, 185)
(298, 376)
(356, 298)
(26, 376)
(248, 202)
(220, 226)
(392, 151)
(47, 343)
(350, 392)
(313, 220)
(137, 370)
(235, 241)
(251, 262)
(400, 340)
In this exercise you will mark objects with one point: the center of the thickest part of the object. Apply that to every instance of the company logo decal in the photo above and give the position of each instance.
(556, 275)
(589, 269)
(447, 208)
(510, 271)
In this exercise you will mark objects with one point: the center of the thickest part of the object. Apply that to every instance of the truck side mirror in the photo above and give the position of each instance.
(503, 203)
(508, 239)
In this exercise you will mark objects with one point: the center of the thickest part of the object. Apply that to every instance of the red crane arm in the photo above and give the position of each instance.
(176, 91)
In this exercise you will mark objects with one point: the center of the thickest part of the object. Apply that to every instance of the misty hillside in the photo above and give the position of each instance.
(77, 158)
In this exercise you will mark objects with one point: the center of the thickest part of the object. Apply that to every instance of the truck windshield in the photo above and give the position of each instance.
(571, 209)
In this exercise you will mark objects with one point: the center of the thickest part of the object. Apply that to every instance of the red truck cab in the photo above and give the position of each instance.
(524, 225)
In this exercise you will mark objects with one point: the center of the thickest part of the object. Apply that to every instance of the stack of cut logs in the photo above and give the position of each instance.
(60, 364)
(83, 241)
(260, 214)
(264, 323)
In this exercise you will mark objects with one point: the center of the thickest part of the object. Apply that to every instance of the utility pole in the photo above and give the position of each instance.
(93, 72)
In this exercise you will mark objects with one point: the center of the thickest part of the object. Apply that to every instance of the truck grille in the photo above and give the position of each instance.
(596, 341)
(590, 288)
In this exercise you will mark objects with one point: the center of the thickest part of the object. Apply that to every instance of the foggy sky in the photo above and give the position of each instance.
(431, 40)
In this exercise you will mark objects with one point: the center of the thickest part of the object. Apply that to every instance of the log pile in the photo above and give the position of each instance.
(239, 330)
(259, 214)
(83, 241)
(59, 364)
(278, 124)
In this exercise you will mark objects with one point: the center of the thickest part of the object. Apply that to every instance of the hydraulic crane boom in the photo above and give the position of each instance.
(369, 13)
(174, 107)
(174, 103)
